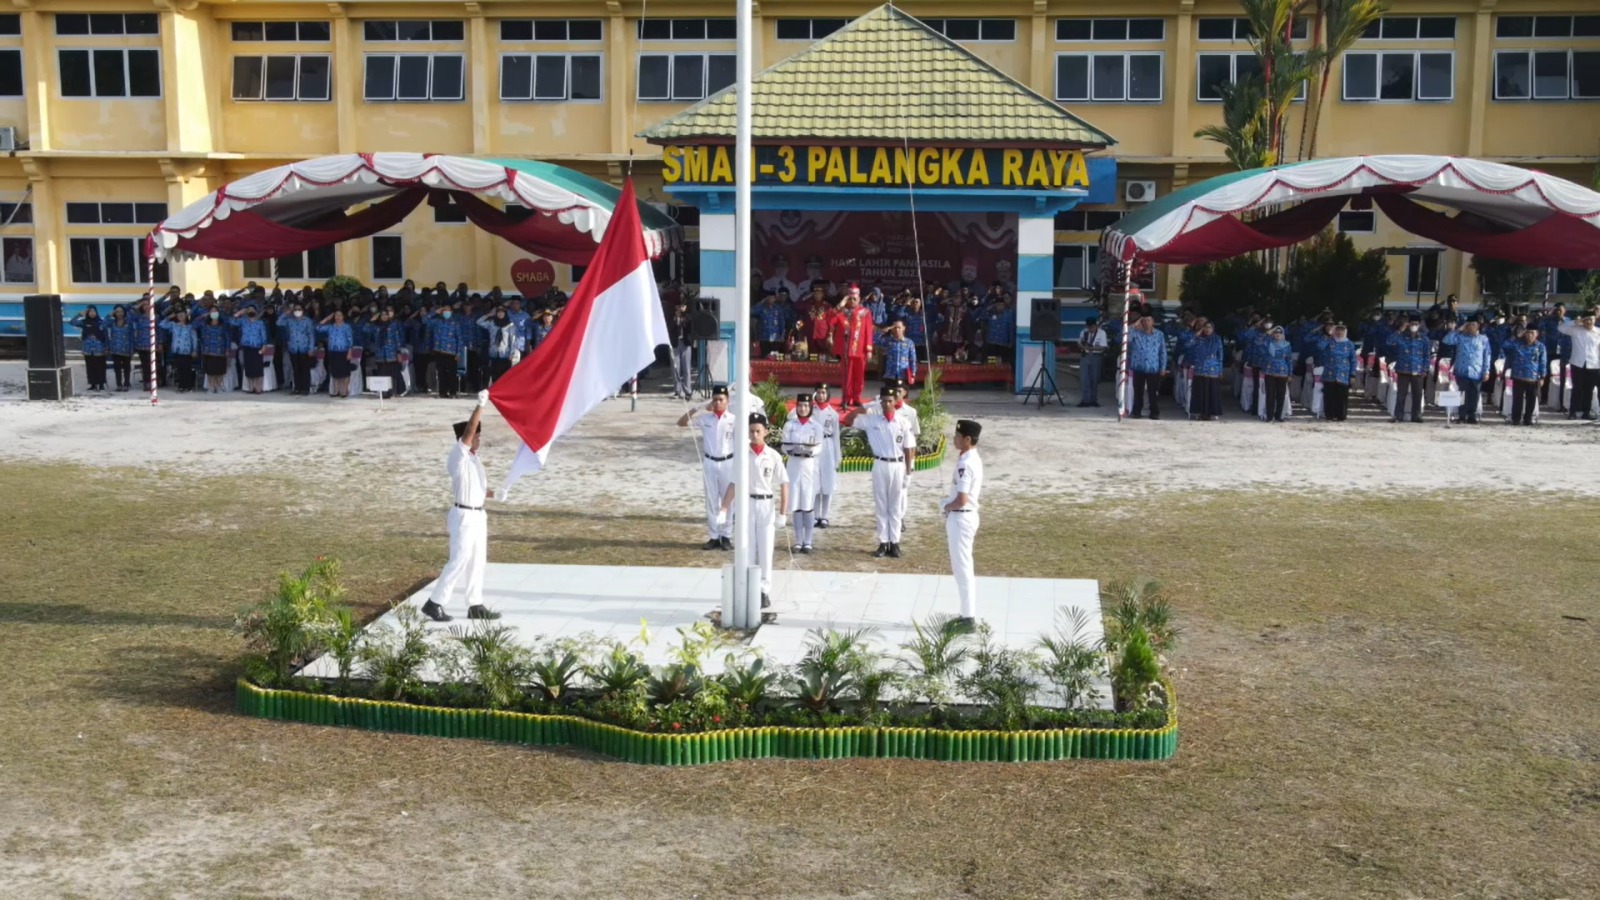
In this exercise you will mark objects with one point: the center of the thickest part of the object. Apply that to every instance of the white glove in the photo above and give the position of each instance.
(781, 521)
(483, 399)
(722, 517)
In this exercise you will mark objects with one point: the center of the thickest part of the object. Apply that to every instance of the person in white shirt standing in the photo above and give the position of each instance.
(467, 522)
(894, 451)
(903, 408)
(769, 482)
(1585, 363)
(961, 517)
(718, 434)
(832, 453)
(802, 442)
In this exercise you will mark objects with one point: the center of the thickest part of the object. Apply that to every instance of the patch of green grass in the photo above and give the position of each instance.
(1380, 697)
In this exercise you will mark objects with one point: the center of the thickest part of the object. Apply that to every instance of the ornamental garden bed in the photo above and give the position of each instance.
(950, 692)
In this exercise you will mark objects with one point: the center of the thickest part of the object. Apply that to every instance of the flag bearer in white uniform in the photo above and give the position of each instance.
(961, 517)
(894, 452)
(903, 408)
(718, 434)
(769, 492)
(832, 453)
(803, 442)
(468, 524)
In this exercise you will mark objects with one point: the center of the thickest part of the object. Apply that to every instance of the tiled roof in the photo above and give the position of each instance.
(886, 76)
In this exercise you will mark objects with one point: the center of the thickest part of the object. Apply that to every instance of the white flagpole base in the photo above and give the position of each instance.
(727, 597)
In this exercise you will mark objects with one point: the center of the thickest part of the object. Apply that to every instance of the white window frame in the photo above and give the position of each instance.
(22, 73)
(705, 76)
(940, 24)
(298, 38)
(1372, 220)
(372, 257)
(100, 216)
(534, 29)
(1241, 30)
(811, 27)
(1127, 77)
(1093, 40)
(1533, 93)
(1090, 268)
(430, 39)
(1233, 73)
(305, 266)
(533, 78)
(1414, 259)
(1572, 26)
(94, 93)
(56, 28)
(141, 266)
(1454, 33)
(638, 30)
(297, 57)
(397, 98)
(1416, 76)
(33, 255)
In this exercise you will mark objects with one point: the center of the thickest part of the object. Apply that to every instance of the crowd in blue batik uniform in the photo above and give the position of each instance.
(963, 322)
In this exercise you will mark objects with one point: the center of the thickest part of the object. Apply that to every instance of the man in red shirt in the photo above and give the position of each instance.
(852, 342)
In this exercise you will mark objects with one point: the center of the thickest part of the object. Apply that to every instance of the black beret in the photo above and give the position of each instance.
(968, 428)
(803, 397)
(720, 390)
(758, 418)
(461, 429)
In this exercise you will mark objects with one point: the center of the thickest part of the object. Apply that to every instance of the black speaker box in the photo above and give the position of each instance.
(705, 323)
(49, 384)
(42, 319)
(1045, 322)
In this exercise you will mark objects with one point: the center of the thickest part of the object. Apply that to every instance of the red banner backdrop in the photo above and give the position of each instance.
(794, 247)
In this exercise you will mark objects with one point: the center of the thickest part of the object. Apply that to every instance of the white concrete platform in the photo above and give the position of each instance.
(605, 602)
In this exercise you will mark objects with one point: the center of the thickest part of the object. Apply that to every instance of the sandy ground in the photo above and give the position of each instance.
(628, 457)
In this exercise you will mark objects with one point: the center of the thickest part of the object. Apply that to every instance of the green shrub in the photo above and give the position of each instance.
(342, 289)
(297, 622)
(1001, 680)
(936, 650)
(497, 663)
(395, 655)
(1143, 604)
(1136, 671)
(1070, 660)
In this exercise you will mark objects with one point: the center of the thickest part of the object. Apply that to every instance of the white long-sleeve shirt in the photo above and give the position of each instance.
(469, 485)
(1585, 344)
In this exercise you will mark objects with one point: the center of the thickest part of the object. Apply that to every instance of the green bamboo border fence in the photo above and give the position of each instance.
(923, 463)
(766, 742)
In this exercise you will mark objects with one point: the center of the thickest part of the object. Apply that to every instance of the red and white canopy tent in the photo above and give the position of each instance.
(1484, 208)
(307, 205)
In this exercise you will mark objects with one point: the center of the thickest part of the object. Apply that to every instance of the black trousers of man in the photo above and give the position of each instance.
(301, 365)
(1142, 382)
(1335, 401)
(1408, 386)
(146, 360)
(449, 381)
(1471, 393)
(1583, 385)
(1277, 390)
(1524, 400)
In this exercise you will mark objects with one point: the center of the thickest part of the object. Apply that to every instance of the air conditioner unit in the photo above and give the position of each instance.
(8, 139)
(1139, 191)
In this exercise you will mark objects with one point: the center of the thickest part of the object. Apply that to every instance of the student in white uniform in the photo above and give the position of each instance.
(718, 434)
(769, 492)
(903, 408)
(467, 522)
(802, 442)
(832, 453)
(894, 452)
(961, 517)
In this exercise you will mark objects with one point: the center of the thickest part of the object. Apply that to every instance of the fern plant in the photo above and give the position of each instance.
(1143, 604)
(497, 663)
(1070, 661)
(1001, 679)
(394, 657)
(936, 650)
(773, 404)
(343, 637)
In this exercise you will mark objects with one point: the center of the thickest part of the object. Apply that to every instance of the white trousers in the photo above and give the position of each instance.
(888, 497)
(905, 497)
(469, 552)
(718, 475)
(760, 538)
(961, 528)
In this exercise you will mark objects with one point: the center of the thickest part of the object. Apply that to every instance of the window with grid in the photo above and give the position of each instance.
(1422, 273)
(16, 214)
(684, 76)
(302, 78)
(1403, 75)
(16, 260)
(286, 32)
(1547, 75)
(107, 24)
(687, 30)
(1240, 29)
(388, 258)
(116, 213)
(439, 30)
(1218, 69)
(550, 76)
(319, 264)
(1547, 26)
(975, 29)
(1109, 77)
(110, 260)
(808, 29)
(1077, 266)
(552, 30)
(414, 77)
(110, 73)
(1411, 28)
(1111, 30)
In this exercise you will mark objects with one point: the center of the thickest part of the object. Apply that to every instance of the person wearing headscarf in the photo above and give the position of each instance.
(1204, 352)
(803, 444)
(119, 345)
(1340, 359)
(505, 342)
(337, 338)
(1278, 356)
(389, 336)
(93, 330)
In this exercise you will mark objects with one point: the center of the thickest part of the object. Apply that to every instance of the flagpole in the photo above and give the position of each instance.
(746, 609)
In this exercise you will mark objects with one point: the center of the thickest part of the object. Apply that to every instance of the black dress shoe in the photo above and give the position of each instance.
(435, 612)
(881, 552)
(822, 523)
(727, 543)
(481, 612)
(894, 551)
(713, 544)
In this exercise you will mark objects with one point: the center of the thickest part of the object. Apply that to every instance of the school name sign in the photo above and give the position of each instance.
(976, 167)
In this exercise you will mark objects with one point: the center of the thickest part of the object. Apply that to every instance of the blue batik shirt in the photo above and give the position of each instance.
(141, 331)
(1001, 329)
(1279, 358)
(94, 334)
(1340, 360)
(300, 335)
(387, 341)
(1147, 353)
(337, 337)
(214, 339)
(1411, 353)
(1474, 360)
(1527, 362)
(539, 333)
(916, 330)
(252, 332)
(774, 321)
(119, 338)
(899, 358)
(182, 337)
(444, 335)
(1205, 354)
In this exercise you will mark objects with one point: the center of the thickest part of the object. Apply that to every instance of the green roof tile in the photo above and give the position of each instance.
(885, 76)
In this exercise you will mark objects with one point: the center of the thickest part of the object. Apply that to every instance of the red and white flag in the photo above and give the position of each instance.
(608, 332)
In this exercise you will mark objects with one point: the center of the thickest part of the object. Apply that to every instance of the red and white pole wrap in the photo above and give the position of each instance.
(1129, 294)
(150, 309)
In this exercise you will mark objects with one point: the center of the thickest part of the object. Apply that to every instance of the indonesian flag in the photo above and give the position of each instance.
(608, 332)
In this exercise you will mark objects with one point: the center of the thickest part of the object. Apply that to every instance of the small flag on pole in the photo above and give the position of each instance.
(608, 332)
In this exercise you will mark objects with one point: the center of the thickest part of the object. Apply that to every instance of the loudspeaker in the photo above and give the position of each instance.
(1045, 323)
(49, 384)
(705, 323)
(42, 321)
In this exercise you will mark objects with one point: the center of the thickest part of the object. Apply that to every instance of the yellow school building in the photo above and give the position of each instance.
(113, 114)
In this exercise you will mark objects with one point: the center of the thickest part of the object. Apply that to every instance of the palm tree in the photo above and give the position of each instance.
(1283, 69)
(1243, 132)
(1339, 24)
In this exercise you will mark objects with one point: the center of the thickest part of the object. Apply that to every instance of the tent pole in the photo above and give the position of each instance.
(746, 609)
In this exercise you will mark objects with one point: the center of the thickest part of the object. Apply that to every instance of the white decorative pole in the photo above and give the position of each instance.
(746, 609)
